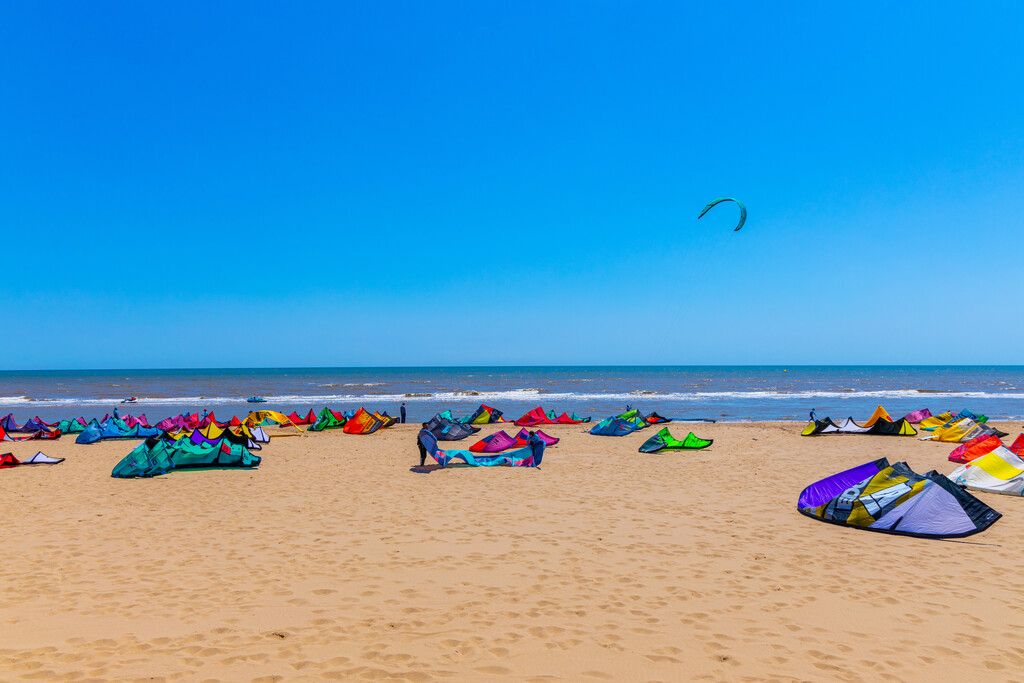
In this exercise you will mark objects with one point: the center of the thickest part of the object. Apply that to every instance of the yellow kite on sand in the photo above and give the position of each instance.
(259, 416)
(879, 414)
(960, 431)
(930, 423)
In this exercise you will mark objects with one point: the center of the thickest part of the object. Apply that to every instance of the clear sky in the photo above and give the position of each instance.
(431, 183)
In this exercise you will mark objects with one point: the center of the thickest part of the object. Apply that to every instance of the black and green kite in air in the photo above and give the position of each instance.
(715, 202)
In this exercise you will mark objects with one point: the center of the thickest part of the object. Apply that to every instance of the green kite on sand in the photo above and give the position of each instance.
(663, 441)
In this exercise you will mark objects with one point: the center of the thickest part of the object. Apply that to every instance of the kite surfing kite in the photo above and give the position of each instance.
(743, 210)
(893, 499)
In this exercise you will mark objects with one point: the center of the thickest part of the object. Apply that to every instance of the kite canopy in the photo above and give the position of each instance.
(483, 415)
(493, 443)
(327, 419)
(894, 499)
(113, 428)
(363, 422)
(72, 426)
(537, 416)
(260, 417)
(529, 456)
(154, 457)
(620, 425)
(214, 434)
(4, 436)
(500, 441)
(299, 420)
(663, 441)
(178, 422)
(41, 458)
(1000, 471)
(878, 424)
(715, 202)
(961, 430)
(255, 433)
(930, 423)
(141, 420)
(523, 437)
(614, 426)
(386, 420)
(211, 419)
(879, 414)
(917, 416)
(37, 425)
(899, 428)
(446, 429)
(8, 424)
(975, 448)
(8, 460)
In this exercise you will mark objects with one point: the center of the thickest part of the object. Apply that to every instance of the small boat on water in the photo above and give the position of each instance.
(256, 399)
(132, 399)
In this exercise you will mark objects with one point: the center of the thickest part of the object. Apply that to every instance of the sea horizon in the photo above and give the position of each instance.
(732, 393)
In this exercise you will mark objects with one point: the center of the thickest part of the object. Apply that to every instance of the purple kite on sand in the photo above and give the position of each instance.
(917, 416)
(500, 441)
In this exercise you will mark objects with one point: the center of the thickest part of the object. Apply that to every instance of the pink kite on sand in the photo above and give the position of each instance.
(523, 438)
(500, 441)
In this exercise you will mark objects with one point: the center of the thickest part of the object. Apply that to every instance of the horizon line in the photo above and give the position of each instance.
(510, 366)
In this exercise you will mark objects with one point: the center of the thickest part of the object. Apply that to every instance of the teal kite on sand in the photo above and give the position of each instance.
(154, 457)
(743, 210)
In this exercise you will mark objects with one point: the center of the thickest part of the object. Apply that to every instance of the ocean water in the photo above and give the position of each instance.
(724, 393)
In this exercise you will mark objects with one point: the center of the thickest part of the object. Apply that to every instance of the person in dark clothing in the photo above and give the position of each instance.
(402, 411)
(423, 450)
(115, 413)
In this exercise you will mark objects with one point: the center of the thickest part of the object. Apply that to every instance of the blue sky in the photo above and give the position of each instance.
(255, 184)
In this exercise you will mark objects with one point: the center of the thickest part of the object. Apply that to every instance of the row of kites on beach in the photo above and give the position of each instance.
(220, 445)
(892, 498)
(191, 440)
(526, 448)
(445, 426)
(358, 421)
(185, 441)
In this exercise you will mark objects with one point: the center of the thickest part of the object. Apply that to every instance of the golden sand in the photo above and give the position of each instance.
(335, 560)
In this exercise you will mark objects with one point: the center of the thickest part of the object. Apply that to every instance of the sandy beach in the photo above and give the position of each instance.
(335, 560)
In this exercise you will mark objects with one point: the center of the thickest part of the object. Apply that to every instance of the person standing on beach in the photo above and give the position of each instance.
(115, 413)
(402, 411)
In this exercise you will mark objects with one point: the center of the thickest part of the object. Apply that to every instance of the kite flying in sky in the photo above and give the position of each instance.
(743, 210)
